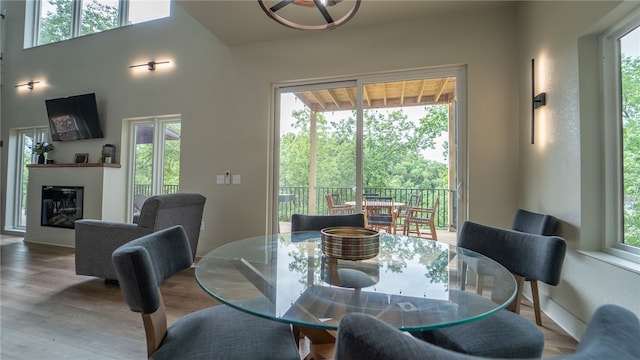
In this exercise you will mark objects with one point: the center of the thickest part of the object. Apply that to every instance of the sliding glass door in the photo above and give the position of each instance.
(392, 136)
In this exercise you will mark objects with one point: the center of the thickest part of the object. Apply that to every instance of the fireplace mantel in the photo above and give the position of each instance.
(104, 197)
(82, 165)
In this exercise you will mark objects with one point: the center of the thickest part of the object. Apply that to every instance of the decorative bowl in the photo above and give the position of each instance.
(350, 243)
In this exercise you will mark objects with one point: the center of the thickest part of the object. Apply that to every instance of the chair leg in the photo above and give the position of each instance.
(536, 301)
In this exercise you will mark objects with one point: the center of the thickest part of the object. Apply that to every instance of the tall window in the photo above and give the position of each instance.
(155, 157)
(621, 70)
(22, 144)
(58, 20)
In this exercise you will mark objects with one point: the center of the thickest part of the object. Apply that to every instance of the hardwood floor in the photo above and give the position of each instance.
(48, 312)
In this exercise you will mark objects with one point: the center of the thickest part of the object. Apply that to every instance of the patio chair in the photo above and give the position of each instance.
(379, 213)
(422, 217)
(403, 211)
(534, 223)
(612, 333)
(217, 332)
(335, 205)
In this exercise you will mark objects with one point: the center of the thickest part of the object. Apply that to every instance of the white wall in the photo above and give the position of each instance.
(561, 173)
(224, 96)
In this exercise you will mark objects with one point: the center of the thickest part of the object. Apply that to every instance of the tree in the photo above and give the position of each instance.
(393, 150)
(56, 24)
(630, 74)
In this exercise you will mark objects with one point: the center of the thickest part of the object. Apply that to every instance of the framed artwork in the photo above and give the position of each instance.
(81, 158)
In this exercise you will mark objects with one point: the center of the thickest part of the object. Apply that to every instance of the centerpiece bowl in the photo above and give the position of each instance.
(350, 243)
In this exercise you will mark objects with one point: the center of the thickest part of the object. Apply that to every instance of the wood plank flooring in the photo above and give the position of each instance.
(48, 312)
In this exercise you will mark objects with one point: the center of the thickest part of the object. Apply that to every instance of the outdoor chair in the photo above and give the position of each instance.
(335, 205)
(379, 213)
(612, 333)
(96, 239)
(534, 223)
(422, 217)
(504, 334)
(217, 332)
(403, 211)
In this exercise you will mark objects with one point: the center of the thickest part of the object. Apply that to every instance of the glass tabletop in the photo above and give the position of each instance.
(412, 284)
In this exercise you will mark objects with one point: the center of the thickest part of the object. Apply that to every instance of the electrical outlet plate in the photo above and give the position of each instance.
(236, 179)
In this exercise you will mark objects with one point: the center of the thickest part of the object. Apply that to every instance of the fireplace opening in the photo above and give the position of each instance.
(61, 206)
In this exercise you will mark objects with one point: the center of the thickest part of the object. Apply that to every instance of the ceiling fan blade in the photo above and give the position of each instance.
(280, 5)
(323, 11)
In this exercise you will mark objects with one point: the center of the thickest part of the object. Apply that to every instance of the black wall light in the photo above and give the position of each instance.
(29, 84)
(151, 65)
(536, 100)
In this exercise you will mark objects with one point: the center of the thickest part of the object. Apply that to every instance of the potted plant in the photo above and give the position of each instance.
(40, 149)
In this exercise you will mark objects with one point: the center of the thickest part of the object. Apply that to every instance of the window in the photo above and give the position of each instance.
(58, 20)
(621, 82)
(155, 157)
(21, 144)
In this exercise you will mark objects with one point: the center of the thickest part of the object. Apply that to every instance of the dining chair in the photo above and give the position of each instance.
(418, 216)
(301, 222)
(403, 211)
(335, 205)
(612, 333)
(217, 332)
(534, 223)
(505, 334)
(380, 213)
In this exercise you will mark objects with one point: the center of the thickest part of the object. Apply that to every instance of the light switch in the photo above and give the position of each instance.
(219, 179)
(236, 179)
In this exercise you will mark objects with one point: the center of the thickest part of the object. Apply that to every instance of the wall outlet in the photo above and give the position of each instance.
(236, 179)
(219, 179)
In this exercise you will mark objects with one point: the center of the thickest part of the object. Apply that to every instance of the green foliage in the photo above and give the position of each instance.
(393, 150)
(56, 24)
(42, 148)
(630, 71)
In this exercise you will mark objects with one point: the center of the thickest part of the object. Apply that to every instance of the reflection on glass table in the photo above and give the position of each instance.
(412, 284)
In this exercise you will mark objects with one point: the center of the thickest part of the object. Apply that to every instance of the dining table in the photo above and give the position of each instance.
(411, 284)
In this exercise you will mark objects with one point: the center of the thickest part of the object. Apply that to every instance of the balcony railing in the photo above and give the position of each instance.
(295, 200)
(145, 189)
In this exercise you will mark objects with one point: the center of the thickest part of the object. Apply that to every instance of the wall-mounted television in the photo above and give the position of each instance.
(74, 118)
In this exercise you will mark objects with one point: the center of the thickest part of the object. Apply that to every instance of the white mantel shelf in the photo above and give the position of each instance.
(117, 166)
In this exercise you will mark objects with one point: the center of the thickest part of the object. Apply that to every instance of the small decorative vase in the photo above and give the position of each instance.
(41, 159)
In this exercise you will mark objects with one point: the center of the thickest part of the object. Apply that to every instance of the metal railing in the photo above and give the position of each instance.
(295, 200)
(145, 189)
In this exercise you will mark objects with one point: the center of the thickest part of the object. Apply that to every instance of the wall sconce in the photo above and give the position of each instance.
(536, 100)
(151, 65)
(29, 84)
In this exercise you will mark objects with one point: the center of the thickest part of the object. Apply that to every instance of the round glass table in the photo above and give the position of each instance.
(412, 284)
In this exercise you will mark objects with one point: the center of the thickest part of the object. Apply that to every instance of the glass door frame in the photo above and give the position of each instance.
(460, 136)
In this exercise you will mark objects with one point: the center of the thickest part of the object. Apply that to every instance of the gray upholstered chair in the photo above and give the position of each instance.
(96, 239)
(505, 334)
(612, 333)
(218, 332)
(300, 222)
(534, 223)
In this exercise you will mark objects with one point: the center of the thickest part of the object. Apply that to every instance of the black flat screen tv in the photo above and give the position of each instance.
(74, 118)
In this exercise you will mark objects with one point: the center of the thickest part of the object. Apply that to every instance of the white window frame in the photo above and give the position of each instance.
(613, 242)
(33, 13)
(159, 123)
(15, 173)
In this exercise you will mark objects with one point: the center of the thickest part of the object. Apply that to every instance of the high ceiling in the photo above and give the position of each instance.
(240, 22)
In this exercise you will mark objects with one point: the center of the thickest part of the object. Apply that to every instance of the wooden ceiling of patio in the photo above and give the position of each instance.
(383, 95)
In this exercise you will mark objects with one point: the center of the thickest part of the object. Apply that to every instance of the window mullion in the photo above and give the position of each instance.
(76, 21)
(123, 12)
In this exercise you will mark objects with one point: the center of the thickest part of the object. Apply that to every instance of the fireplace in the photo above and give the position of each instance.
(61, 206)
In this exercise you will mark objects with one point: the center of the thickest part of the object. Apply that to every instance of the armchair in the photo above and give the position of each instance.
(96, 239)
